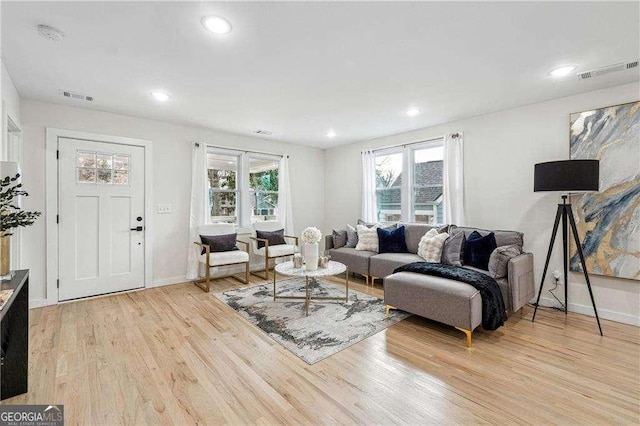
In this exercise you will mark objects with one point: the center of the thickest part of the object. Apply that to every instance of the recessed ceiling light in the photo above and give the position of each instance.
(216, 24)
(160, 96)
(331, 133)
(562, 71)
(412, 112)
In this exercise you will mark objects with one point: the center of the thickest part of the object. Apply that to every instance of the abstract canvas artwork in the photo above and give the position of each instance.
(609, 220)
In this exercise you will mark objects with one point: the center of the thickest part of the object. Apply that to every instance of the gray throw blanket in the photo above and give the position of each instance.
(493, 310)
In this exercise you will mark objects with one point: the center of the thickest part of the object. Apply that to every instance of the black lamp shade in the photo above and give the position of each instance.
(567, 176)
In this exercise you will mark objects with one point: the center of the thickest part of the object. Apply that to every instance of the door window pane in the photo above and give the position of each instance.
(86, 175)
(102, 168)
(427, 198)
(103, 161)
(263, 186)
(222, 172)
(86, 159)
(103, 176)
(121, 162)
(389, 187)
(121, 177)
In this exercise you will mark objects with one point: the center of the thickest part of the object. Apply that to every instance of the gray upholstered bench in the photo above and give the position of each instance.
(440, 299)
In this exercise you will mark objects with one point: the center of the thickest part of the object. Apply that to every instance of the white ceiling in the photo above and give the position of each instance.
(299, 69)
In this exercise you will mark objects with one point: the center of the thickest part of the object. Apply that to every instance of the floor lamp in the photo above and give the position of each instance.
(568, 176)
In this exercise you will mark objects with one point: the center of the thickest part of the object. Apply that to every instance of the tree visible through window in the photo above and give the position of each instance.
(243, 186)
(222, 172)
(263, 182)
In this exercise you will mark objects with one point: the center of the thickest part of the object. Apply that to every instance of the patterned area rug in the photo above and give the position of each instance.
(331, 325)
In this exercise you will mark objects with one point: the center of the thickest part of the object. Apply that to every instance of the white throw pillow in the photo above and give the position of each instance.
(431, 244)
(367, 238)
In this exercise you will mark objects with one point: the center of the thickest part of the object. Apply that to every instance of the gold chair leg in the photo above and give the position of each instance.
(387, 309)
(468, 334)
(246, 273)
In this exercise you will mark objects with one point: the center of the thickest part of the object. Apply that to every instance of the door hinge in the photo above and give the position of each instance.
(58, 283)
(57, 218)
(57, 154)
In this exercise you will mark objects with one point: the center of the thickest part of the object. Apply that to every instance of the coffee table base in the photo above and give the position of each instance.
(308, 298)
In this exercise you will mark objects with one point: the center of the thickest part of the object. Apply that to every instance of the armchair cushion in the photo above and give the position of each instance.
(219, 243)
(275, 238)
(279, 250)
(225, 258)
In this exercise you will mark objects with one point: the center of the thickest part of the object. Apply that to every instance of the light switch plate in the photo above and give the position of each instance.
(164, 208)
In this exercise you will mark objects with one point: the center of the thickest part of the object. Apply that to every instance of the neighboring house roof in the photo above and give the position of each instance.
(429, 173)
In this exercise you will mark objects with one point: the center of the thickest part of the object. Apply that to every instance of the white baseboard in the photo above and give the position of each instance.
(168, 281)
(588, 310)
(38, 303)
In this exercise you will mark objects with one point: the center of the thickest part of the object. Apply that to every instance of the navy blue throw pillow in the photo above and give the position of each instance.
(478, 250)
(219, 243)
(391, 240)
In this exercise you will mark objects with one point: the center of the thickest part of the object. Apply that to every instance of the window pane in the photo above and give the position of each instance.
(263, 174)
(222, 171)
(121, 177)
(121, 162)
(389, 186)
(104, 176)
(86, 175)
(427, 204)
(85, 159)
(427, 197)
(223, 206)
(264, 206)
(103, 161)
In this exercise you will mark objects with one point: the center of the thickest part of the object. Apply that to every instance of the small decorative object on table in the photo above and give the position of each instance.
(311, 236)
(297, 261)
(11, 215)
(324, 261)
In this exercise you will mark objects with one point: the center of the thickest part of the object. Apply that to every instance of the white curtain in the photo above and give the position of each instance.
(285, 208)
(369, 205)
(454, 179)
(199, 215)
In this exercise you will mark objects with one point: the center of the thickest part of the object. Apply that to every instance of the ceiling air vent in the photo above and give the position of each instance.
(77, 96)
(263, 132)
(607, 70)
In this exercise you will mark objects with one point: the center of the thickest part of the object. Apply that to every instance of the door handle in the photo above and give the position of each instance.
(137, 228)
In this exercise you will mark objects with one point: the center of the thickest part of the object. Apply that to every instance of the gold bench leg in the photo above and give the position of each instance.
(468, 334)
(387, 309)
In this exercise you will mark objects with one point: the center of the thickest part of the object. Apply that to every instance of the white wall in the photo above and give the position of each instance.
(500, 151)
(171, 185)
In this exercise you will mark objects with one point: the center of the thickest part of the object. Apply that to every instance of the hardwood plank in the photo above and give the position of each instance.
(177, 355)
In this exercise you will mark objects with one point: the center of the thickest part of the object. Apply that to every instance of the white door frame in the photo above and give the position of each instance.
(52, 208)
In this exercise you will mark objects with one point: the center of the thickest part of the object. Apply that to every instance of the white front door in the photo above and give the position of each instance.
(101, 218)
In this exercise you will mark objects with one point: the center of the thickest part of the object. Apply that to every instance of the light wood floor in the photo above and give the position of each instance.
(176, 355)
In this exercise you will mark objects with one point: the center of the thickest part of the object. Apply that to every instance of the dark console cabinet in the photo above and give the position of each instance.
(14, 331)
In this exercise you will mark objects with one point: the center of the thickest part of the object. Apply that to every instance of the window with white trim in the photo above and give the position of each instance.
(243, 186)
(409, 183)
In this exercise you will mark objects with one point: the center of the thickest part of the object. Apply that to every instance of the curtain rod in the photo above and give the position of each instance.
(197, 144)
(454, 136)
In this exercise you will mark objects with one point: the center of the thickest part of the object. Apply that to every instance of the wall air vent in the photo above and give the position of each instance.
(607, 70)
(263, 132)
(76, 96)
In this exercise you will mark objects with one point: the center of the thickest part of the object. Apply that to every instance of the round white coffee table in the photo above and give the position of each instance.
(332, 268)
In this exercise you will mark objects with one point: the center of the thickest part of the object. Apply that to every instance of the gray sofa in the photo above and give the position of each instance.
(443, 300)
